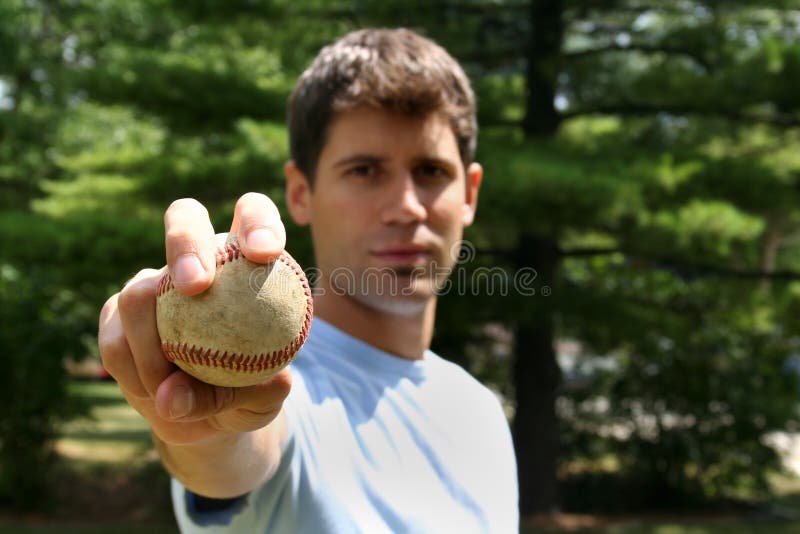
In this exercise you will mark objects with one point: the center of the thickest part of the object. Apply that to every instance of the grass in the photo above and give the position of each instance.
(60, 528)
(109, 480)
(113, 433)
(773, 520)
(674, 527)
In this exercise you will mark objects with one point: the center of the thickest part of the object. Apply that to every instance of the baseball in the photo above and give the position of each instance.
(243, 329)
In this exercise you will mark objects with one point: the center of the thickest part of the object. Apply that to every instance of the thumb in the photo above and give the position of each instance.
(183, 398)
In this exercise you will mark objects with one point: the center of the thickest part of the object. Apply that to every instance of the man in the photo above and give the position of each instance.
(370, 431)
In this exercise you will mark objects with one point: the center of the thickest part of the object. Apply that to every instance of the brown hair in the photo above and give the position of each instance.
(395, 69)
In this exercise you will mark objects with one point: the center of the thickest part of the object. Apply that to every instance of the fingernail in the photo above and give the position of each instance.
(188, 269)
(181, 403)
(261, 239)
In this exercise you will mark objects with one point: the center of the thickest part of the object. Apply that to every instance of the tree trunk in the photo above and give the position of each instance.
(537, 375)
(543, 53)
(537, 378)
(770, 249)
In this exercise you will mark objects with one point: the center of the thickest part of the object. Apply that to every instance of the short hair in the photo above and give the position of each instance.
(394, 69)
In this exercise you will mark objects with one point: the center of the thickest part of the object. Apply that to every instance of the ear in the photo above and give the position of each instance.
(298, 191)
(474, 178)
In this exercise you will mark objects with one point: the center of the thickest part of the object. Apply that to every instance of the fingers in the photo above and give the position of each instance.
(190, 246)
(179, 407)
(169, 431)
(137, 310)
(183, 398)
(257, 223)
(115, 351)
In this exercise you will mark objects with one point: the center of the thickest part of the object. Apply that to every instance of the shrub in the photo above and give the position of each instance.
(35, 333)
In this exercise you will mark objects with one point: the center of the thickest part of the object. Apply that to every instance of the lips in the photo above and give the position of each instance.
(403, 254)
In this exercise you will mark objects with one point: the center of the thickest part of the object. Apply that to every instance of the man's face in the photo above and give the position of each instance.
(388, 207)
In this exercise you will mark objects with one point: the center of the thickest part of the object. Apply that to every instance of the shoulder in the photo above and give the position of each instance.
(462, 388)
(446, 370)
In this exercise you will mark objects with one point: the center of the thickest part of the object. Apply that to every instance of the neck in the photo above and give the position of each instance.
(403, 336)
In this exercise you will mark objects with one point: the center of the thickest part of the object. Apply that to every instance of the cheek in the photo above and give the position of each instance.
(446, 211)
(341, 221)
(445, 221)
(338, 210)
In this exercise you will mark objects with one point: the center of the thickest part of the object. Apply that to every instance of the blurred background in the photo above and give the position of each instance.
(641, 199)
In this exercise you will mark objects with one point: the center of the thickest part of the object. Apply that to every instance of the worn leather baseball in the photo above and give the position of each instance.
(243, 329)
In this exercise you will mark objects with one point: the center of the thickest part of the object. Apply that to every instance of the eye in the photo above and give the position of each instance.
(363, 170)
(432, 173)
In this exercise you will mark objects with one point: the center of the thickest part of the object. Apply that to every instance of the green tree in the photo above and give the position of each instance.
(640, 156)
(653, 186)
(107, 112)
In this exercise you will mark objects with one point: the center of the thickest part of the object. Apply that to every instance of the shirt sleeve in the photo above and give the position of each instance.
(248, 513)
(508, 512)
(502, 497)
(205, 512)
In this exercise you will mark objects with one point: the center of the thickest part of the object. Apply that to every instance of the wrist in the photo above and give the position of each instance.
(223, 466)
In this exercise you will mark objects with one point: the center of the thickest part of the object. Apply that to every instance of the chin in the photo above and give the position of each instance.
(405, 306)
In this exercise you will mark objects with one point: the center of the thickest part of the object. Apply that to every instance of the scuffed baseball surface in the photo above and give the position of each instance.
(245, 328)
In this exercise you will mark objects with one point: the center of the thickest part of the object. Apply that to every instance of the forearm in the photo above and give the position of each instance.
(226, 465)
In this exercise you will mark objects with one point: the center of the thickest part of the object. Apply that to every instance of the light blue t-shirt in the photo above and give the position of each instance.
(379, 444)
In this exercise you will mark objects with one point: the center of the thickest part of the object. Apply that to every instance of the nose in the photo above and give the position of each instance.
(403, 204)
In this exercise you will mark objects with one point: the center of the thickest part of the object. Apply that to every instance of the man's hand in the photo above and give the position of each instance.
(182, 411)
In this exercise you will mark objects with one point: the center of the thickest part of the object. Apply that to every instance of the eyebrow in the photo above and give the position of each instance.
(359, 158)
(431, 160)
(370, 158)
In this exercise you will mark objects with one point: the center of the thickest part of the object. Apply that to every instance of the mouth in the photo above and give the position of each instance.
(402, 254)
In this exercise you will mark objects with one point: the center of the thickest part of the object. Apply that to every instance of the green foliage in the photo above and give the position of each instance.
(109, 112)
(673, 175)
(697, 375)
(670, 187)
(38, 331)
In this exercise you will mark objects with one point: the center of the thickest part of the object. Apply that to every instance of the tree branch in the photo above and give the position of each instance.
(779, 120)
(587, 252)
(686, 268)
(782, 120)
(649, 49)
(703, 270)
(497, 252)
(510, 54)
(584, 8)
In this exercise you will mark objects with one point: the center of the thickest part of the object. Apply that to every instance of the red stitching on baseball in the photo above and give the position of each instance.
(252, 362)
(197, 355)
(164, 285)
